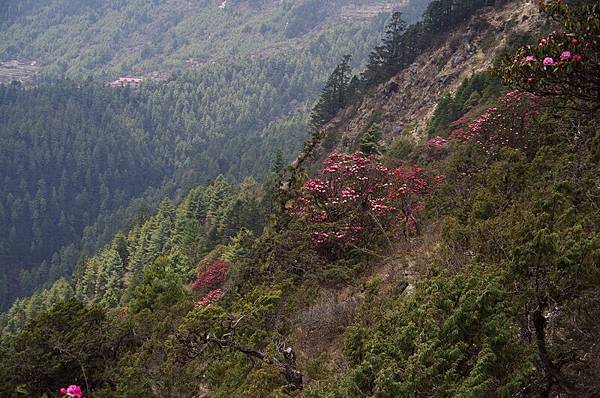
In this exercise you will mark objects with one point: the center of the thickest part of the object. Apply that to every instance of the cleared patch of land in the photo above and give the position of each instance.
(18, 70)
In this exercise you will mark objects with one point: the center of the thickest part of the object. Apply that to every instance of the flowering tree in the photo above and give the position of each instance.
(508, 124)
(566, 63)
(213, 276)
(358, 198)
(210, 281)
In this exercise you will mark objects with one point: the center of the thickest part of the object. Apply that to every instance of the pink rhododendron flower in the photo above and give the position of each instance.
(548, 61)
(72, 391)
(565, 55)
(577, 58)
(543, 42)
(213, 276)
(530, 58)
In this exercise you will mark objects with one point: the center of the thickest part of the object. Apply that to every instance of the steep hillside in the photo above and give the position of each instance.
(464, 266)
(404, 105)
(101, 157)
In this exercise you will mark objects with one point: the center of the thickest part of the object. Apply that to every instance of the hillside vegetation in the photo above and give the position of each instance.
(463, 265)
(79, 160)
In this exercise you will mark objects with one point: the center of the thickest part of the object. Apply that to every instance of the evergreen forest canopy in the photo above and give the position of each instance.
(78, 38)
(464, 266)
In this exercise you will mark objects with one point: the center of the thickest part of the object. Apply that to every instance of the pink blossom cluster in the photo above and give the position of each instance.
(460, 122)
(315, 185)
(357, 195)
(209, 298)
(562, 60)
(213, 276)
(348, 233)
(565, 54)
(505, 125)
(72, 391)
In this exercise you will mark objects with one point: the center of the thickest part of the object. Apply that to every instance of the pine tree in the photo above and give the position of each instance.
(369, 142)
(337, 93)
(389, 57)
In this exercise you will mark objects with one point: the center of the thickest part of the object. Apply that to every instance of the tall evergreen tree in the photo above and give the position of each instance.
(337, 93)
(389, 57)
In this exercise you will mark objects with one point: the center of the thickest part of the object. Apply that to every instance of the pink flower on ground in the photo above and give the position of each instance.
(72, 391)
(565, 55)
(548, 61)
(574, 42)
(577, 58)
(543, 42)
(530, 58)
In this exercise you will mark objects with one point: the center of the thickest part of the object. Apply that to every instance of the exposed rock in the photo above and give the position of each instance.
(404, 105)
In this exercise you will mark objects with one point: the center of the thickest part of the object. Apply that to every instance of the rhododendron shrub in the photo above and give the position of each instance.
(358, 199)
(565, 63)
(209, 298)
(437, 144)
(435, 148)
(508, 124)
(210, 281)
(212, 277)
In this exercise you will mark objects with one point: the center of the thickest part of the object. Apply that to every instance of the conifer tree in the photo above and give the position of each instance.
(389, 57)
(369, 142)
(337, 93)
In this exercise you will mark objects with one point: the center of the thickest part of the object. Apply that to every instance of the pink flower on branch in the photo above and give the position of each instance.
(566, 56)
(72, 391)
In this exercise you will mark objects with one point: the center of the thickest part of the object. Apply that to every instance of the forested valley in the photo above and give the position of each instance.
(81, 159)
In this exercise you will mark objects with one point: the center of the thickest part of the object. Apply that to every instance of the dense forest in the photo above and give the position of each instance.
(82, 37)
(463, 265)
(80, 159)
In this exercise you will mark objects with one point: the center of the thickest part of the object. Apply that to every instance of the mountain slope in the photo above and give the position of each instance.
(464, 266)
(404, 105)
(78, 38)
(80, 160)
